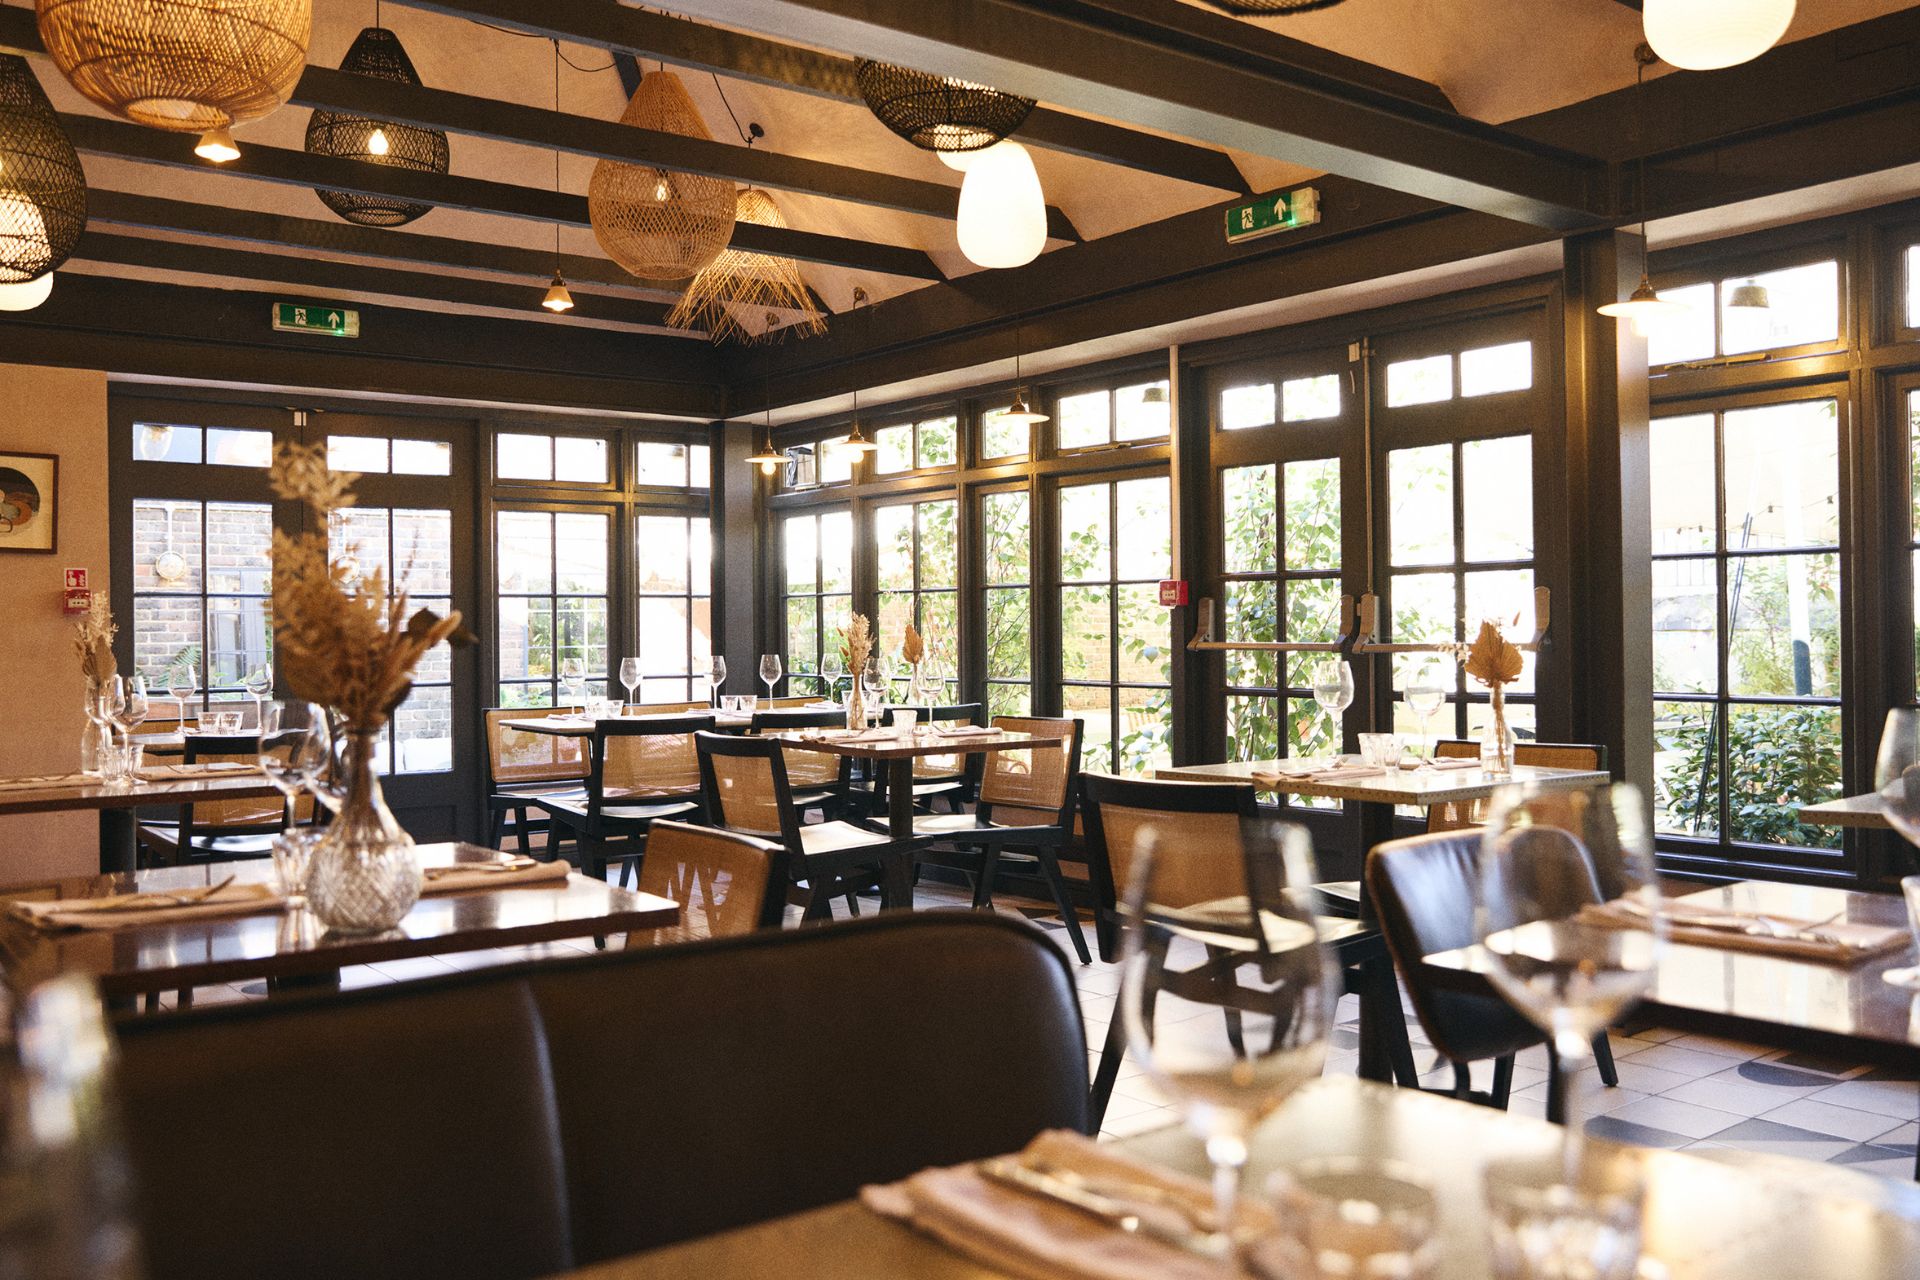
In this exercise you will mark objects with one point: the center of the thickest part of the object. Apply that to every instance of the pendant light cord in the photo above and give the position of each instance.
(1642, 56)
(556, 154)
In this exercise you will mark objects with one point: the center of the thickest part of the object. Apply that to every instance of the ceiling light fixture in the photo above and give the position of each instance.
(26, 295)
(1018, 411)
(1272, 7)
(1644, 307)
(43, 190)
(769, 459)
(559, 299)
(217, 145)
(938, 113)
(739, 289)
(660, 224)
(378, 54)
(1751, 296)
(1003, 212)
(1705, 35)
(1156, 393)
(856, 441)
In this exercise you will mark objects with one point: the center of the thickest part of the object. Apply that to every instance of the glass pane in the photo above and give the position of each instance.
(1250, 614)
(580, 631)
(1085, 549)
(1421, 381)
(1788, 757)
(1783, 476)
(1311, 399)
(234, 447)
(526, 695)
(659, 465)
(1804, 307)
(1913, 287)
(836, 614)
(1094, 708)
(1138, 418)
(422, 458)
(1009, 699)
(890, 623)
(1313, 610)
(423, 552)
(1506, 597)
(580, 552)
(1420, 510)
(160, 442)
(1253, 728)
(663, 636)
(1310, 731)
(1687, 335)
(1497, 480)
(1146, 730)
(803, 636)
(940, 627)
(896, 449)
(1786, 626)
(436, 666)
(357, 538)
(835, 460)
(166, 634)
(802, 570)
(239, 639)
(1249, 406)
(1009, 633)
(239, 547)
(1086, 615)
(166, 546)
(699, 467)
(936, 442)
(1313, 514)
(517, 457)
(836, 551)
(893, 547)
(423, 732)
(1146, 529)
(1686, 626)
(662, 558)
(939, 544)
(1913, 456)
(1249, 515)
(580, 459)
(356, 453)
(1146, 650)
(1423, 608)
(1082, 420)
(1009, 539)
(526, 637)
(1487, 371)
(1682, 496)
(1000, 438)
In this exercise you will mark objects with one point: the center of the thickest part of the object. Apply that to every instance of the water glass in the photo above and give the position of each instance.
(120, 763)
(293, 862)
(1382, 749)
(1342, 1218)
(1543, 1227)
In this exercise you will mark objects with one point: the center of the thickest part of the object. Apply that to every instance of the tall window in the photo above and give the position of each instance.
(1112, 415)
(552, 587)
(819, 587)
(1116, 659)
(1006, 519)
(550, 459)
(916, 564)
(1802, 309)
(1746, 622)
(660, 465)
(412, 552)
(202, 591)
(915, 446)
(672, 556)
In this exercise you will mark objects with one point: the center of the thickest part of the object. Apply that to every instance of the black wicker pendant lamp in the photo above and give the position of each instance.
(377, 53)
(938, 113)
(43, 190)
(1255, 8)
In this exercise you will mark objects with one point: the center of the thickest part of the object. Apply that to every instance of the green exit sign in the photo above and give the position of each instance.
(1275, 212)
(316, 317)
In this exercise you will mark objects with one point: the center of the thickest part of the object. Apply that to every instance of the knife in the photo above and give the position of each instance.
(1119, 1216)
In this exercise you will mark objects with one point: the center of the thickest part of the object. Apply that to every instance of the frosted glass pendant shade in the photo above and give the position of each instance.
(26, 295)
(1704, 35)
(1003, 212)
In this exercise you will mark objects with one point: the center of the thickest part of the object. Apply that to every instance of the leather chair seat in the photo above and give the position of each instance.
(637, 813)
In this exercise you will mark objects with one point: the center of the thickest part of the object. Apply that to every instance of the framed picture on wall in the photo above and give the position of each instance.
(29, 501)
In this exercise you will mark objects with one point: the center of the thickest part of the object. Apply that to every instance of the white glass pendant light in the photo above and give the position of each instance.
(26, 295)
(1704, 35)
(1003, 213)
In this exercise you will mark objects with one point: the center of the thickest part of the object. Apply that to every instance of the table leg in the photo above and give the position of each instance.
(1385, 1052)
(896, 873)
(118, 845)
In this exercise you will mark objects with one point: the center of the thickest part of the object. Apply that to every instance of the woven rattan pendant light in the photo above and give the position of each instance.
(43, 191)
(377, 53)
(1272, 6)
(659, 224)
(938, 113)
(183, 65)
(750, 297)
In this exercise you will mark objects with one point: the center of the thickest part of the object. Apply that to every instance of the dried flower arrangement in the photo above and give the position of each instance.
(93, 642)
(342, 642)
(1495, 662)
(856, 643)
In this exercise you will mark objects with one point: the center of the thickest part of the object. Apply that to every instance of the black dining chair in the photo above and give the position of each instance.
(638, 771)
(953, 779)
(820, 781)
(221, 830)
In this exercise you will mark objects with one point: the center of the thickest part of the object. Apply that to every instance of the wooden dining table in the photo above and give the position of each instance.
(1863, 813)
(292, 946)
(1730, 1217)
(160, 785)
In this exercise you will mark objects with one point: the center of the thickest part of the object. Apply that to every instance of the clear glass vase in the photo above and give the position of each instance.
(365, 874)
(1496, 743)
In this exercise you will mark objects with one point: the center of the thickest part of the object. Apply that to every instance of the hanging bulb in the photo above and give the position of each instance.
(1704, 35)
(27, 294)
(1003, 212)
(769, 459)
(1644, 308)
(217, 145)
(558, 300)
(959, 160)
(661, 190)
(857, 442)
(378, 144)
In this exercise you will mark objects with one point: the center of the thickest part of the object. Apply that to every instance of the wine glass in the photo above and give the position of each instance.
(770, 672)
(296, 741)
(716, 678)
(1896, 777)
(873, 683)
(573, 680)
(258, 683)
(832, 667)
(1570, 915)
(1425, 696)
(1333, 690)
(1225, 989)
(181, 686)
(630, 675)
(130, 706)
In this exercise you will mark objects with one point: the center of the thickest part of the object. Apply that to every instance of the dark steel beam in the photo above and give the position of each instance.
(97, 136)
(1169, 66)
(747, 57)
(346, 281)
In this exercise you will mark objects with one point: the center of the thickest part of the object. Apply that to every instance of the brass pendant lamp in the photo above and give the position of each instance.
(1643, 307)
(1019, 411)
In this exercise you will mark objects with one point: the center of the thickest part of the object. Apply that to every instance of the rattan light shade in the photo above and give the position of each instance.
(181, 65)
(377, 53)
(938, 113)
(750, 297)
(1272, 6)
(658, 224)
(43, 191)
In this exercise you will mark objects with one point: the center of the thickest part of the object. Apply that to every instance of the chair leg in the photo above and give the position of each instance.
(592, 855)
(496, 828)
(1463, 1081)
(989, 868)
(1556, 1088)
(1112, 1050)
(1502, 1081)
(1050, 867)
(1386, 1054)
(520, 837)
(1603, 1059)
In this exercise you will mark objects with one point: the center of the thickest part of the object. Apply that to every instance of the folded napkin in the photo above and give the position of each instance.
(35, 781)
(130, 910)
(166, 772)
(1035, 1238)
(964, 730)
(1825, 942)
(1455, 762)
(505, 873)
(1337, 773)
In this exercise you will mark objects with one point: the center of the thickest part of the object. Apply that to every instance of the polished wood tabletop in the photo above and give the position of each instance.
(1706, 1219)
(910, 745)
(293, 944)
(163, 784)
(1863, 812)
(1424, 788)
(1838, 1011)
(581, 727)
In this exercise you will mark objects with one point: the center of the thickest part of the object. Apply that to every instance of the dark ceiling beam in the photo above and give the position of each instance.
(747, 57)
(345, 282)
(97, 136)
(1169, 66)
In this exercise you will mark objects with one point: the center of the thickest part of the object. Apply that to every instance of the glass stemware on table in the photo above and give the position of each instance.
(1425, 696)
(1333, 690)
(873, 687)
(630, 676)
(1225, 987)
(296, 748)
(257, 683)
(181, 686)
(832, 667)
(770, 672)
(716, 679)
(1896, 779)
(573, 680)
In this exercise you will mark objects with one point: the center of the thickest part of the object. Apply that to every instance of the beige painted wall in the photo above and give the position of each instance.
(64, 412)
